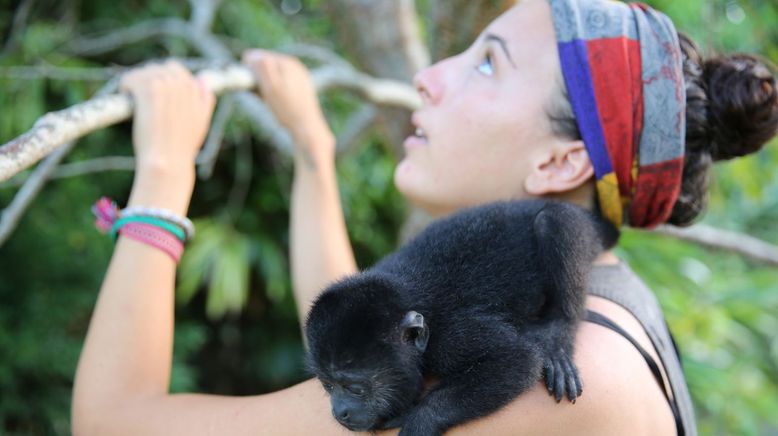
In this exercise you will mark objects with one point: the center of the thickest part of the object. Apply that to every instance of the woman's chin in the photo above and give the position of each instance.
(402, 176)
(418, 190)
(409, 180)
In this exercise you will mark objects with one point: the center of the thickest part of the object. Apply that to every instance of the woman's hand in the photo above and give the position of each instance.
(285, 85)
(320, 251)
(172, 115)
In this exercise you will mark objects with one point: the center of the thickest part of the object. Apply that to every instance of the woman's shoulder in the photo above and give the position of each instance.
(620, 396)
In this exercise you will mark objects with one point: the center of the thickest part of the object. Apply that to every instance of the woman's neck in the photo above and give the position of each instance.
(607, 258)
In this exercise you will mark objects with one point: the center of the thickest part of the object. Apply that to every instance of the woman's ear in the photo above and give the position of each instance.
(560, 168)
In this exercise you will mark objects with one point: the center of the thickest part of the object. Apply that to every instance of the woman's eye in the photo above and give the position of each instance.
(486, 67)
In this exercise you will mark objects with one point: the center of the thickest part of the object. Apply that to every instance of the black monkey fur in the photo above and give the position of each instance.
(487, 301)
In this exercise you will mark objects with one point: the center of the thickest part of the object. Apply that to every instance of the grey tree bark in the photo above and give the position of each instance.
(383, 39)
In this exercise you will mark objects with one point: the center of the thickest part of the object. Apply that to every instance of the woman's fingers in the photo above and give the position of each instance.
(173, 110)
(251, 58)
(285, 85)
(271, 69)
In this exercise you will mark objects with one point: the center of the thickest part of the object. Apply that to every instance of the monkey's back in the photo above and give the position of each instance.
(492, 264)
(483, 257)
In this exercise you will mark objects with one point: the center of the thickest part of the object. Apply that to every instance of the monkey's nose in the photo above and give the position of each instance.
(342, 413)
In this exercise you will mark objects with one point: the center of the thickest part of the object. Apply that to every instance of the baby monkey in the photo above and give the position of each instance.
(485, 301)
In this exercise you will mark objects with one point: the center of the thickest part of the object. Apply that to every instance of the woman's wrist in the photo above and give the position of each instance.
(314, 145)
(163, 187)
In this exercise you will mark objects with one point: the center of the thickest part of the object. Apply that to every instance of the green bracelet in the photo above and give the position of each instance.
(170, 227)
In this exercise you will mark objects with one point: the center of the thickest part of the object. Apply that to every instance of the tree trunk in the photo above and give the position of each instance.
(383, 39)
(455, 24)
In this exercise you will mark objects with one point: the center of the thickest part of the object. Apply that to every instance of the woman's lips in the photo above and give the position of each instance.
(413, 142)
(418, 138)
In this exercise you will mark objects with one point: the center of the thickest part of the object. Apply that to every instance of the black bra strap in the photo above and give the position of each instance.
(604, 321)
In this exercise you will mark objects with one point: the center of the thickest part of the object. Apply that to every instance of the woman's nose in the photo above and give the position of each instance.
(428, 84)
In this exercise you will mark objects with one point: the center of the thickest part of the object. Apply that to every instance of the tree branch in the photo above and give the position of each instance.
(80, 168)
(55, 128)
(69, 124)
(242, 181)
(250, 104)
(10, 216)
(719, 239)
(17, 25)
(320, 54)
(95, 46)
(206, 159)
(172, 27)
(203, 14)
(88, 74)
(355, 128)
(56, 73)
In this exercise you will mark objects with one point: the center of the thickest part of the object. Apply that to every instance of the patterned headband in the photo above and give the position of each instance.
(622, 67)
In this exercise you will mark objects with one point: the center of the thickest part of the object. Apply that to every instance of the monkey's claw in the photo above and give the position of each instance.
(562, 377)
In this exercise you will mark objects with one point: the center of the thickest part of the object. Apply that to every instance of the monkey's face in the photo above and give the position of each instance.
(372, 374)
(366, 350)
(365, 399)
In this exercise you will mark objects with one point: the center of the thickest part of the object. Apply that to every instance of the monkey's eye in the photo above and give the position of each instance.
(327, 386)
(357, 390)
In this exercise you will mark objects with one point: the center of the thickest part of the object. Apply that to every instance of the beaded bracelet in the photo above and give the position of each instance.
(154, 236)
(164, 214)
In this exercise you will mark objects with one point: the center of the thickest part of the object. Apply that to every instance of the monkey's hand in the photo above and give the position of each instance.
(430, 382)
(561, 376)
(395, 422)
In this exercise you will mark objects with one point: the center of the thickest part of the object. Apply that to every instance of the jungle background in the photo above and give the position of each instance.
(236, 329)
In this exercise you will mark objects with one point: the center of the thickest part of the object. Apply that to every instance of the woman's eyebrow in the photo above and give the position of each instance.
(503, 44)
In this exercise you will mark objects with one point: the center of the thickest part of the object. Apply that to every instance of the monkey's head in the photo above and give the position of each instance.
(366, 350)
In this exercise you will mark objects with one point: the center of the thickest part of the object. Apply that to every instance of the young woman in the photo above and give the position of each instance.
(503, 120)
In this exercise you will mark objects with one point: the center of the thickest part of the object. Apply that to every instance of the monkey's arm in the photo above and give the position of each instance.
(320, 251)
(486, 375)
(621, 396)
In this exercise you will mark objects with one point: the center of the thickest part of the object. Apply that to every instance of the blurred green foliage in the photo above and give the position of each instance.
(236, 328)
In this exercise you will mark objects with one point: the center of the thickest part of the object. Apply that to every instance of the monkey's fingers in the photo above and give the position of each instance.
(562, 377)
(555, 379)
(572, 381)
(549, 375)
(559, 380)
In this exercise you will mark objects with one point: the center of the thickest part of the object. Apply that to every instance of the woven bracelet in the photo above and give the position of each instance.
(154, 236)
(162, 224)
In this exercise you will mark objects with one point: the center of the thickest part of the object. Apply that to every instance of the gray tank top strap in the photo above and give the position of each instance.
(619, 284)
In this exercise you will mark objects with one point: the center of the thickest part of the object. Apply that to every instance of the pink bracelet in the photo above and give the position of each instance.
(154, 236)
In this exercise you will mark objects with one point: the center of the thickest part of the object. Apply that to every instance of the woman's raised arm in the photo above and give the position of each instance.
(320, 249)
(129, 345)
(123, 375)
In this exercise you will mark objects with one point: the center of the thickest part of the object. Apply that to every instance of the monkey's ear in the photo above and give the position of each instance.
(414, 330)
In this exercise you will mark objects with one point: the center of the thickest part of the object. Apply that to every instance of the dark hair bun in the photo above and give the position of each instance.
(731, 110)
(742, 105)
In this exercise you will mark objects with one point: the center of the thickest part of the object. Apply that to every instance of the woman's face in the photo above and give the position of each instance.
(483, 115)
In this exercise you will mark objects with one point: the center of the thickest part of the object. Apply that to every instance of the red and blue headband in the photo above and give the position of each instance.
(622, 66)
